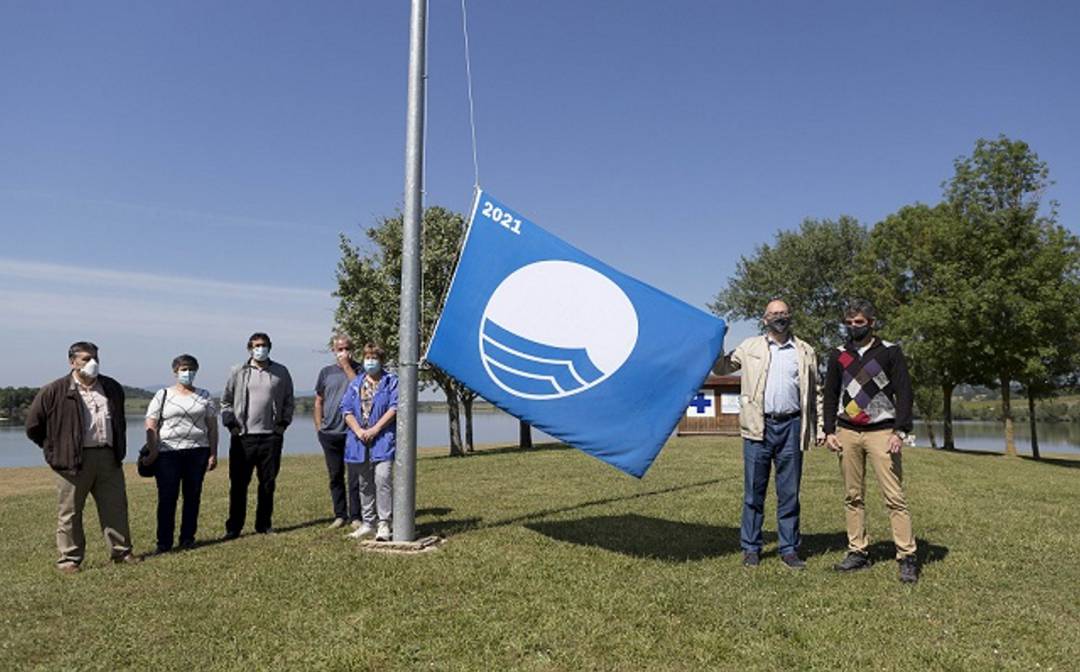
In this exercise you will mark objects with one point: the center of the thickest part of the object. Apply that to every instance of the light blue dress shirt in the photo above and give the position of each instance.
(782, 381)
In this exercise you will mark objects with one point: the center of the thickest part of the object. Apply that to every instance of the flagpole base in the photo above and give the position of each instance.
(422, 545)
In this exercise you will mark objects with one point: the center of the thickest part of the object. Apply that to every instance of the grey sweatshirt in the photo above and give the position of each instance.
(279, 410)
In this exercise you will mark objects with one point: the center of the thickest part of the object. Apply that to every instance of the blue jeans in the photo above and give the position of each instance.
(781, 446)
(344, 478)
(176, 471)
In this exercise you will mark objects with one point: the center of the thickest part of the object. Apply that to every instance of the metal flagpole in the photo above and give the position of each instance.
(409, 332)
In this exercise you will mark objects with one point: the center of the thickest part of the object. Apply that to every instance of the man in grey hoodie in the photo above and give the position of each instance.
(256, 407)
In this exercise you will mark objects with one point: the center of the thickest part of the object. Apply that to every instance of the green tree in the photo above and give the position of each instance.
(917, 273)
(1056, 355)
(997, 192)
(369, 292)
(15, 402)
(810, 269)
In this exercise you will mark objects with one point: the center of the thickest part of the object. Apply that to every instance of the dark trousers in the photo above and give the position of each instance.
(780, 447)
(179, 471)
(260, 453)
(341, 475)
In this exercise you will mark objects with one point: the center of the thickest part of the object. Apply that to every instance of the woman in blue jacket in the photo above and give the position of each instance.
(370, 410)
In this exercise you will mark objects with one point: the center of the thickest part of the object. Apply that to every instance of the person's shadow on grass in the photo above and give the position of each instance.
(644, 537)
(835, 542)
(673, 541)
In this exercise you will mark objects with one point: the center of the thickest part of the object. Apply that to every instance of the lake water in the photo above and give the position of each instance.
(17, 451)
(499, 428)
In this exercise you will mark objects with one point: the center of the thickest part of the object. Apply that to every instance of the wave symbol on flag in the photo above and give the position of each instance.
(533, 368)
(555, 328)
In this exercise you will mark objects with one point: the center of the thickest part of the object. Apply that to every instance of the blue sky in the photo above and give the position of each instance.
(173, 176)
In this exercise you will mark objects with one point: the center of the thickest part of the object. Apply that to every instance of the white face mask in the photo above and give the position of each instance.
(185, 377)
(90, 369)
(260, 353)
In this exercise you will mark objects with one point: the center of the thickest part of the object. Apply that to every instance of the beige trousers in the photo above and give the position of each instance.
(101, 477)
(857, 447)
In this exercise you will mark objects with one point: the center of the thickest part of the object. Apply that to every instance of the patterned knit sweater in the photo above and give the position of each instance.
(869, 391)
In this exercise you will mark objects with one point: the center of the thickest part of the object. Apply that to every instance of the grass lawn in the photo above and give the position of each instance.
(558, 562)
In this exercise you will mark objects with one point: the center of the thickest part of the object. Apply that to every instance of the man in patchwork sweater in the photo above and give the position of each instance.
(867, 415)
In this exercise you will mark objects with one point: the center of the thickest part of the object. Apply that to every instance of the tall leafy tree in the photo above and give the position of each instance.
(916, 272)
(1056, 356)
(369, 291)
(811, 269)
(997, 192)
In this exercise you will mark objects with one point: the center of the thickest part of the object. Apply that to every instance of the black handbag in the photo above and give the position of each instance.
(149, 470)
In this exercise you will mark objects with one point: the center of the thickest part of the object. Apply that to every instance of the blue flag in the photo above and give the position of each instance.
(568, 344)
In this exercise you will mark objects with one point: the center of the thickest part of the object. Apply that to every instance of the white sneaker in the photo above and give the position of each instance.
(362, 532)
(384, 533)
(338, 522)
(355, 524)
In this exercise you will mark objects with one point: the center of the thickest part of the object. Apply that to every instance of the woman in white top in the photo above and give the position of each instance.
(182, 433)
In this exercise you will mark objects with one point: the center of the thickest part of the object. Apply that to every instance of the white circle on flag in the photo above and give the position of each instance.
(555, 328)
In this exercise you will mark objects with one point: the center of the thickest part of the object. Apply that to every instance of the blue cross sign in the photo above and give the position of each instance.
(701, 404)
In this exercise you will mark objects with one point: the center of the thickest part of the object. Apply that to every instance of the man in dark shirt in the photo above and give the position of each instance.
(330, 428)
(78, 421)
(867, 414)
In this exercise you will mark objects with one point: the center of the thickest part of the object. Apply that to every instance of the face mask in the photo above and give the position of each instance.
(90, 369)
(372, 366)
(185, 377)
(779, 325)
(260, 353)
(858, 333)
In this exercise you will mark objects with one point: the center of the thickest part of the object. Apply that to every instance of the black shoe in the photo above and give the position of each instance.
(187, 544)
(853, 562)
(230, 535)
(909, 570)
(751, 559)
(268, 530)
(793, 561)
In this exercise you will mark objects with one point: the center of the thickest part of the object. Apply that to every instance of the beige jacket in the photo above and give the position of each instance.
(753, 356)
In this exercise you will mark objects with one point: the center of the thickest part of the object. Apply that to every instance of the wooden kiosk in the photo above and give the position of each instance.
(714, 409)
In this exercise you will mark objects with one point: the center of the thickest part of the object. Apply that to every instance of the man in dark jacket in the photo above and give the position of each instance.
(78, 421)
(867, 415)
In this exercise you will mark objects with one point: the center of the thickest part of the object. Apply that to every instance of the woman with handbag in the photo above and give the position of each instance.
(181, 437)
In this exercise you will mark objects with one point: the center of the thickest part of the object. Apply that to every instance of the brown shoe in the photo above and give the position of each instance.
(128, 559)
(68, 568)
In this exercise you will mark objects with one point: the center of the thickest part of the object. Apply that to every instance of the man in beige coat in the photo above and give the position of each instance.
(778, 419)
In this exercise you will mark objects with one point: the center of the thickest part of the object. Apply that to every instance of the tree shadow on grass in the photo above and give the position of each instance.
(644, 537)
(1057, 462)
(967, 452)
(447, 528)
(434, 511)
(205, 543)
(443, 527)
(490, 452)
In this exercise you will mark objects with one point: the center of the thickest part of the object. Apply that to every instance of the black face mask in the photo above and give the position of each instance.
(779, 325)
(857, 333)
